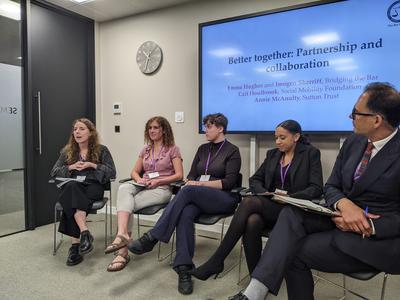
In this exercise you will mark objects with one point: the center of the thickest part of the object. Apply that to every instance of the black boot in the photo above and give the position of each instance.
(209, 268)
(86, 243)
(74, 257)
(142, 245)
(185, 284)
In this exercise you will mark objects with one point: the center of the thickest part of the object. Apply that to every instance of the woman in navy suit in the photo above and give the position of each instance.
(293, 168)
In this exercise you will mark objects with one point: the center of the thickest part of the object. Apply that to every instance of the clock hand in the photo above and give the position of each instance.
(147, 62)
(152, 50)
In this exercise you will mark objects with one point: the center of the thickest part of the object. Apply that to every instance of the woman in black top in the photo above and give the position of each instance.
(214, 172)
(293, 168)
(82, 156)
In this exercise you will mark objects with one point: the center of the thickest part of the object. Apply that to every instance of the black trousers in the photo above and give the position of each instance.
(73, 196)
(301, 241)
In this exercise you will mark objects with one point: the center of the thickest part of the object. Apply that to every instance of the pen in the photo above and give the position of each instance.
(366, 215)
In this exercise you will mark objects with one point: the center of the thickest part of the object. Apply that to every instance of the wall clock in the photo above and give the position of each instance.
(149, 57)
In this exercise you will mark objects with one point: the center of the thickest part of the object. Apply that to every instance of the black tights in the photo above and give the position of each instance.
(253, 215)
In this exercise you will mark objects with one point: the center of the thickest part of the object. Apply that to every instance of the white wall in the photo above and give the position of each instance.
(174, 87)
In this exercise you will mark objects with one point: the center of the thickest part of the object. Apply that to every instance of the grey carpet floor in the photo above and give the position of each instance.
(28, 270)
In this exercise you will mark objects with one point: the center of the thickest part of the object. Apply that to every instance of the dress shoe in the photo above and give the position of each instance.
(208, 269)
(185, 284)
(74, 257)
(239, 296)
(86, 243)
(142, 245)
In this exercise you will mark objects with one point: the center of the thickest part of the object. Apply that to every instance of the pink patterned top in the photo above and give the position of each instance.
(162, 162)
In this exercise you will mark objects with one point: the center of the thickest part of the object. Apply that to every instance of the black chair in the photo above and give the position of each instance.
(364, 276)
(97, 205)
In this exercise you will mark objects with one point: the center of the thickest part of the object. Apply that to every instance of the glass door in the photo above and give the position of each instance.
(12, 200)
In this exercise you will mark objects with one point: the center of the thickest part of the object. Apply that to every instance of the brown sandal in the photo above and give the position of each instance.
(122, 263)
(116, 246)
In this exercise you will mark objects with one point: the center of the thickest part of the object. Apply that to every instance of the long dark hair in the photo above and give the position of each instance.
(294, 127)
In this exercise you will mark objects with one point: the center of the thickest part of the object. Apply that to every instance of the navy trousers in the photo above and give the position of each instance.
(181, 212)
(301, 241)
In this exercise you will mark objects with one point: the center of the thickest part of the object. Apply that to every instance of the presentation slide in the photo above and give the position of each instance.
(308, 64)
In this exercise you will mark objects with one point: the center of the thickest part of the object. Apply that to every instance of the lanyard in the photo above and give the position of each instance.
(209, 156)
(283, 174)
(153, 161)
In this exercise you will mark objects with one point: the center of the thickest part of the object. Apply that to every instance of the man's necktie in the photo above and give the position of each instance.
(364, 161)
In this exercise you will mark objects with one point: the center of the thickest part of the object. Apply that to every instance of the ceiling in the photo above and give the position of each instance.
(105, 10)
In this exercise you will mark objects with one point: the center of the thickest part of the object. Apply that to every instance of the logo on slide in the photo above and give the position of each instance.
(393, 12)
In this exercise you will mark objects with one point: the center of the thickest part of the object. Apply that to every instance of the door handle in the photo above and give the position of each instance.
(39, 123)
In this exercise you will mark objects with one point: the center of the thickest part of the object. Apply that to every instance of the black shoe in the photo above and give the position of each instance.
(207, 269)
(74, 257)
(185, 284)
(142, 245)
(239, 296)
(86, 243)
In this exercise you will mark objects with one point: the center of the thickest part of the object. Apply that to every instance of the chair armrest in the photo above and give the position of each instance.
(125, 180)
(237, 190)
(244, 192)
(177, 184)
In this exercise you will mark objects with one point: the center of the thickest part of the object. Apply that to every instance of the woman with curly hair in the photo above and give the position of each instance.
(159, 164)
(84, 156)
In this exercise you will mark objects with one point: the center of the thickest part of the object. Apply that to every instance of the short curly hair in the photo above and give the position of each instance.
(217, 119)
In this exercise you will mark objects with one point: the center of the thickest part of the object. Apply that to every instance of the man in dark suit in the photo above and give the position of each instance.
(363, 189)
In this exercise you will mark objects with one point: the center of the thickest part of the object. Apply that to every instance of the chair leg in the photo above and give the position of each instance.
(55, 232)
(344, 285)
(138, 225)
(340, 286)
(170, 254)
(105, 228)
(222, 231)
(55, 244)
(316, 278)
(227, 270)
(385, 276)
(240, 279)
(110, 216)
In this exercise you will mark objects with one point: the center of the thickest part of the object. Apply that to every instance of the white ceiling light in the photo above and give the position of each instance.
(10, 9)
(81, 1)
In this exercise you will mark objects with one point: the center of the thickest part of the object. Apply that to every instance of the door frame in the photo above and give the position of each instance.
(27, 92)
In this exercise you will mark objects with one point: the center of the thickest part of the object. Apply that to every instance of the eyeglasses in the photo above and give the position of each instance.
(354, 112)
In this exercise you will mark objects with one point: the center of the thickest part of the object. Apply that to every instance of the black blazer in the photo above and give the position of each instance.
(379, 189)
(305, 173)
